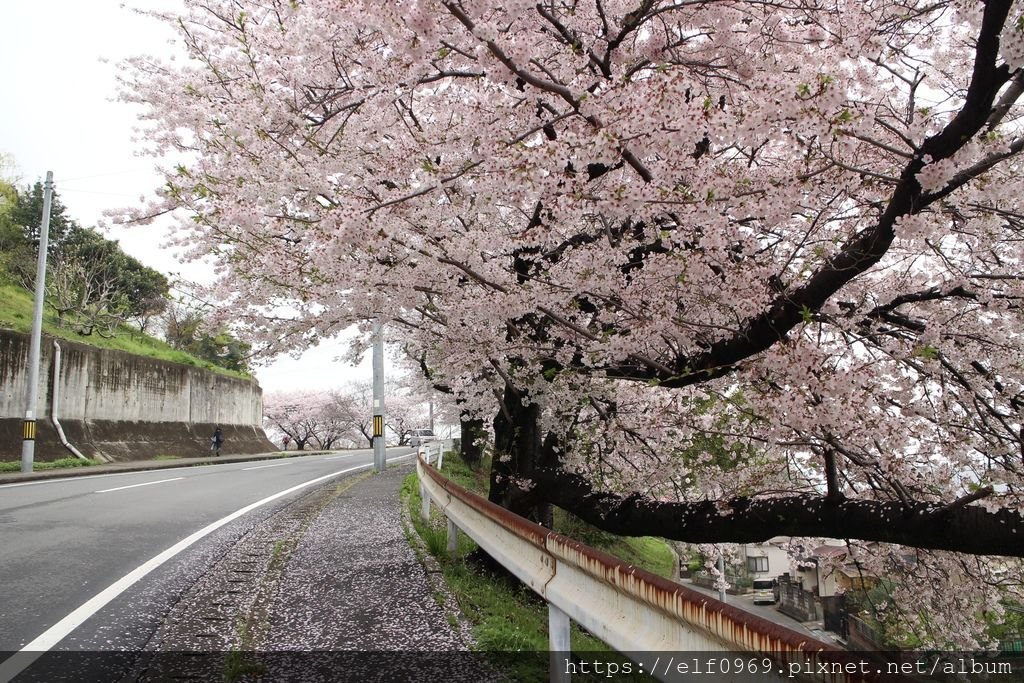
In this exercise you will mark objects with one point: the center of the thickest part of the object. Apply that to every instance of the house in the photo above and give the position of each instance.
(826, 575)
(766, 560)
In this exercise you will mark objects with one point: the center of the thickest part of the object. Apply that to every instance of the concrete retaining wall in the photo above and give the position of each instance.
(116, 405)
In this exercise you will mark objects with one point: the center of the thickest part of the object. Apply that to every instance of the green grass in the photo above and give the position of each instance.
(16, 314)
(436, 539)
(238, 663)
(509, 621)
(653, 554)
(63, 463)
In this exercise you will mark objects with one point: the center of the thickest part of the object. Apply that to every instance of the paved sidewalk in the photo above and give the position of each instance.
(354, 591)
(326, 589)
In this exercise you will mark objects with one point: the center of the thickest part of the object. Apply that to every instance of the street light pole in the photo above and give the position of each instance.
(28, 426)
(379, 457)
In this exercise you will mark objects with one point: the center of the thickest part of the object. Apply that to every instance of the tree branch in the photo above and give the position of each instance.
(956, 527)
(866, 249)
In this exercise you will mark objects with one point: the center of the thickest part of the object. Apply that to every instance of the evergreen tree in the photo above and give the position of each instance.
(28, 211)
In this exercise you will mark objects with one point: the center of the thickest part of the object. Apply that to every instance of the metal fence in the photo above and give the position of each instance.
(796, 602)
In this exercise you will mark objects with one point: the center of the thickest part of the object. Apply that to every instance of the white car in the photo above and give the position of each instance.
(420, 437)
(764, 591)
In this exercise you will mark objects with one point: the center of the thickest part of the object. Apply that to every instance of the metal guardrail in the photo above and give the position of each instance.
(433, 451)
(628, 608)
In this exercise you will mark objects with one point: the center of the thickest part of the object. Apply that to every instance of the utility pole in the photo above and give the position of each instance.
(28, 427)
(379, 457)
(430, 407)
(721, 586)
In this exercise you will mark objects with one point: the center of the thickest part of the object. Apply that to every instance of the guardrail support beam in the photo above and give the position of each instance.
(558, 639)
(453, 538)
(425, 509)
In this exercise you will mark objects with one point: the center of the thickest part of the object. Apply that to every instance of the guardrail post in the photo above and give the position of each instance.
(453, 538)
(558, 644)
(440, 456)
(425, 509)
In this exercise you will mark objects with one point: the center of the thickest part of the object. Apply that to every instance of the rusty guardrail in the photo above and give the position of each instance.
(630, 609)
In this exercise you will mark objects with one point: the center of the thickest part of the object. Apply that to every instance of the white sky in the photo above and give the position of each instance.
(57, 113)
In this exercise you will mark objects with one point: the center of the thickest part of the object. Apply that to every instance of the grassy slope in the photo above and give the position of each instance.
(506, 616)
(16, 314)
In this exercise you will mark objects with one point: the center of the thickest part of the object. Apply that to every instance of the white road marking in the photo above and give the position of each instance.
(53, 635)
(260, 467)
(145, 483)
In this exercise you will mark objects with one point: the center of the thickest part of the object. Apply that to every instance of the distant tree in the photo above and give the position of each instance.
(90, 278)
(361, 396)
(335, 420)
(92, 281)
(149, 309)
(10, 231)
(145, 289)
(403, 412)
(28, 212)
(306, 417)
(185, 330)
(182, 325)
(225, 350)
(289, 413)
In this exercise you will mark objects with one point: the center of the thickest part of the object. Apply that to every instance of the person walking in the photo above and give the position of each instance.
(217, 441)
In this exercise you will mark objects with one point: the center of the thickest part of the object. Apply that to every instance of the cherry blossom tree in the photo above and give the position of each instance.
(336, 417)
(719, 271)
(404, 410)
(303, 416)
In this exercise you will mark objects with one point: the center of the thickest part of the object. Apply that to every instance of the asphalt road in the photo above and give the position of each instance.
(89, 563)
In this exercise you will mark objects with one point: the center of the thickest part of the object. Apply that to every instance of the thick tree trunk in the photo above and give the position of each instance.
(957, 527)
(517, 455)
(471, 448)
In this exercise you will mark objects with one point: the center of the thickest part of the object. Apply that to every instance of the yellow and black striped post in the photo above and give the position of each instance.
(28, 443)
(379, 453)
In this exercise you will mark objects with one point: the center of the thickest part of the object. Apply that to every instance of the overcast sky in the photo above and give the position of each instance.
(59, 114)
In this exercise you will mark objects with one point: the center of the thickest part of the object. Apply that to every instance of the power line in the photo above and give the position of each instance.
(101, 175)
(64, 190)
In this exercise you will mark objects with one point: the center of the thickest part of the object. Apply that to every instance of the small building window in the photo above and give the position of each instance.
(757, 564)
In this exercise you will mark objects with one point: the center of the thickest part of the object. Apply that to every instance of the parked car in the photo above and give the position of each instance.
(420, 437)
(764, 591)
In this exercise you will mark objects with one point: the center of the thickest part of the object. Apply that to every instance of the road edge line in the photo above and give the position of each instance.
(43, 643)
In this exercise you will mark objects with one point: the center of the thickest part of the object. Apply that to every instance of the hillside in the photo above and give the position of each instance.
(16, 314)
